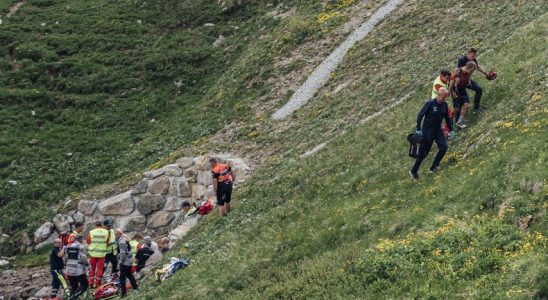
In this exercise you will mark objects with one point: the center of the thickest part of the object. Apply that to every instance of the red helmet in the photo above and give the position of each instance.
(491, 75)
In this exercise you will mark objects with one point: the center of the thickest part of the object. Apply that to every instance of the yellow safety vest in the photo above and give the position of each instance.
(133, 244)
(436, 82)
(98, 245)
(111, 247)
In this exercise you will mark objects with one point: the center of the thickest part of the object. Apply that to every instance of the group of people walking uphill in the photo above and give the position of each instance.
(436, 110)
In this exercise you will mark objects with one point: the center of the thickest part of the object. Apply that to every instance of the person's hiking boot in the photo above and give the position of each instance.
(414, 176)
(461, 125)
(434, 170)
(478, 109)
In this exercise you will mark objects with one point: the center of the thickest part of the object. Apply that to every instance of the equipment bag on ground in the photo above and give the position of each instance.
(415, 144)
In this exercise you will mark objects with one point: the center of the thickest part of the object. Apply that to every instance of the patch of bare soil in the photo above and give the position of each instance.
(14, 8)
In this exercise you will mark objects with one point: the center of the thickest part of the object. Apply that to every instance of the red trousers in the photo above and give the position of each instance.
(96, 265)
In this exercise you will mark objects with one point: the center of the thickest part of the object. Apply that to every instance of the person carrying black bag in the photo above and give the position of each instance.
(433, 112)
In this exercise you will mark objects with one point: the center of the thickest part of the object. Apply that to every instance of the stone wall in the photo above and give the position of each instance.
(152, 207)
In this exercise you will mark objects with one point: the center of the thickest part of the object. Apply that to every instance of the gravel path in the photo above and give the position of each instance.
(321, 74)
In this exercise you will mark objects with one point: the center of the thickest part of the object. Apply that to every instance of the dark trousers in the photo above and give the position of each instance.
(125, 272)
(474, 86)
(111, 258)
(55, 282)
(429, 138)
(78, 285)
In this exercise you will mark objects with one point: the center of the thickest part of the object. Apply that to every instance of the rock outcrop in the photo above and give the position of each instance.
(152, 207)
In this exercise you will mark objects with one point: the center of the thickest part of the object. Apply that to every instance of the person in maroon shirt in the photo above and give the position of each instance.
(460, 80)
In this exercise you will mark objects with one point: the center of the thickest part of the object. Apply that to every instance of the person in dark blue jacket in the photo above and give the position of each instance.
(56, 265)
(433, 112)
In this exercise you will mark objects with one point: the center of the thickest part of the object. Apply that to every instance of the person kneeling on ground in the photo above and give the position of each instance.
(433, 112)
(223, 178)
(125, 258)
(76, 267)
(144, 253)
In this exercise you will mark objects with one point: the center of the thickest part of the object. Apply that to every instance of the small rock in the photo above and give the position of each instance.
(140, 188)
(191, 174)
(87, 207)
(154, 173)
(159, 186)
(525, 222)
(140, 22)
(537, 188)
(160, 219)
(4, 263)
(150, 203)
(202, 163)
(43, 232)
(78, 217)
(121, 205)
(178, 84)
(185, 162)
(220, 40)
(12, 182)
(173, 170)
(33, 113)
(43, 292)
(209, 25)
(43, 24)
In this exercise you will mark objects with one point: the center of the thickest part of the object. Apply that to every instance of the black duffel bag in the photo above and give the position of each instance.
(415, 144)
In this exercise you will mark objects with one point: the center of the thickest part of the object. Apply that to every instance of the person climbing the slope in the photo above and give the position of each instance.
(442, 81)
(76, 267)
(433, 112)
(56, 266)
(470, 56)
(97, 241)
(460, 80)
(223, 179)
(125, 258)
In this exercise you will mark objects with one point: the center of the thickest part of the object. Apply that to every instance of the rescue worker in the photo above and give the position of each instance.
(110, 256)
(97, 240)
(470, 56)
(433, 112)
(76, 267)
(126, 259)
(78, 229)
(223, 179)
(144, 253)
(441, 81)
(460, 80)
(56, 266)
(135, 244)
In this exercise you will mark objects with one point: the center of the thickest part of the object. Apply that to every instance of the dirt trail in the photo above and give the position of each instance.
(14, 8)
(321, 74)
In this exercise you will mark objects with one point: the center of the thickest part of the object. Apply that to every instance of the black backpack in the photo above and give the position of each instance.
(415, 144)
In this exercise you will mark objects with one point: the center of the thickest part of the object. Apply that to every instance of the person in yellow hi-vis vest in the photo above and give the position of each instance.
(110, 256)
(135, 245)
(97, 240)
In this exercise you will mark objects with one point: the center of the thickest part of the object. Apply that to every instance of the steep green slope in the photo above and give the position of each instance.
(87, 92)
(349, 223)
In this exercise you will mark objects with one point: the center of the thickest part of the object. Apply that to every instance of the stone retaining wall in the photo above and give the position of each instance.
(152, 207)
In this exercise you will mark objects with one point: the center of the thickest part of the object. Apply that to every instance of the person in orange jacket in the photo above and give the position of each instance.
(223, 179)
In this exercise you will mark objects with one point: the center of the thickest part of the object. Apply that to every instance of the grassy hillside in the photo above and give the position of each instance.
(344, 223)
(349, 223)
(87, 90)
